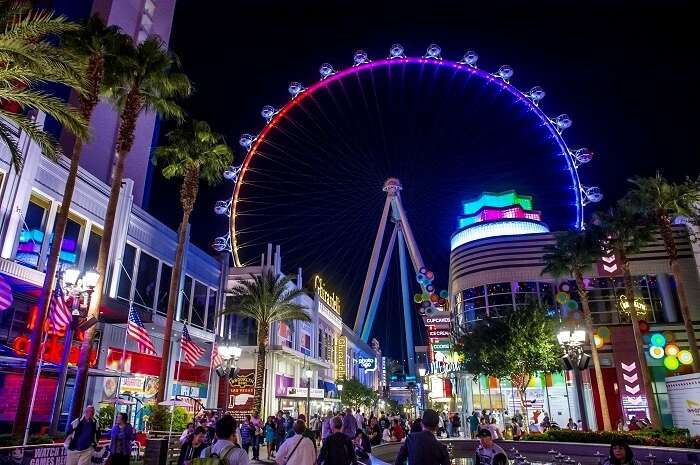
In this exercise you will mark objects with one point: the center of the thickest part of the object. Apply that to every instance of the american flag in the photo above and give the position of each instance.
(5, 294)
(216, 359)
(192, 351)
(136, 330)
(59, 313)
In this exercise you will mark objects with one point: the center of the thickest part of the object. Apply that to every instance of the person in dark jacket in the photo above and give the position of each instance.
(423, 448)
(121, 438)
(337, 448)
(193, 447)
(81, 438)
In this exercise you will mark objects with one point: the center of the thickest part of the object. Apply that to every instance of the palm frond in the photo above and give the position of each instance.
(57, 108)
(8, 138)
(48, 145)
(36, 24)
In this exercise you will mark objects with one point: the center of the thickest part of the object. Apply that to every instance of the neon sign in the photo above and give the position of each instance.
(341, 348)
(369, 364)
(332, 300)
(640, 307)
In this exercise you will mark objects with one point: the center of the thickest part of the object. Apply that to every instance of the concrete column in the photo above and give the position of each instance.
(668, 304)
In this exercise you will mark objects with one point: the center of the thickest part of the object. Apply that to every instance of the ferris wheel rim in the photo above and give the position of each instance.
(492, 79)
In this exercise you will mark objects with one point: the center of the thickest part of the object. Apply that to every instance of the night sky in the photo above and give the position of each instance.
(624, 74)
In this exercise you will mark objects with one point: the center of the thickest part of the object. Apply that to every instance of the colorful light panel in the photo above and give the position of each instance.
(498, 200)
(500, 228)
(493, 214)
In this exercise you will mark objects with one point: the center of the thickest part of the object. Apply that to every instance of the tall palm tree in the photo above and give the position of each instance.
(28, 60)
(626, 232)
(149, 83)
(95, 44)
(663, 201)
(194, 152)
(266, 298)
(572, 255)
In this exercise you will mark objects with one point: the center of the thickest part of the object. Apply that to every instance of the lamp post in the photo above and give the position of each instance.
(421, 374)
(575, 359)
(230, 353)
(340, 392)
(308, 374)
(76, 286)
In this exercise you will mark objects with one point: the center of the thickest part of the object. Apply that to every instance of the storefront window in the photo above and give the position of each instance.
(163, 289)
(186, 300)
(126, 272)
(199, 304)
(31, 237)
(211, 310)
(93, 248)
(146, 281)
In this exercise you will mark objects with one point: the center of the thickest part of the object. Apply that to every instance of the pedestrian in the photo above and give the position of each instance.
(473, 424)
(494, 429)
(487, 452)
(620, 453)
(456, 424)
(362, 445)
(270, 429)
(397, 432)
(193, 447)
(350, 425)
(258, 437)
(358, 419)
(327, 426)
(374, 432)
(226, 447)
(247, 434)
(417, 426)
(573, 426)
(280, 429)
(423, 448)
(121, 436)
(185, 436)
(448, 424)
(383, 422)
(516, 429)
(337, 449)
(82, 437)
(297, 450)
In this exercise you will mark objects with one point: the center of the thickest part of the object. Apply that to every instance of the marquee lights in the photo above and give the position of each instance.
(500, 228)
(332, 300)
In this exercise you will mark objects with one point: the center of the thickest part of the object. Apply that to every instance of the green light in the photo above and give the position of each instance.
(671, 363)
(658, 339)
(497, 200)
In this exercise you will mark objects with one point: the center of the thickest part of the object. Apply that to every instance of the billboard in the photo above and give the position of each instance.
(684, 399)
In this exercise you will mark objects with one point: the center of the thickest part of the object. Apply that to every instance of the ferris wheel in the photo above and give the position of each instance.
(316, 155)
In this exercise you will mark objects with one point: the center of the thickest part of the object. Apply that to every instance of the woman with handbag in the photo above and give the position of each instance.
(122, 436)
(297, 450)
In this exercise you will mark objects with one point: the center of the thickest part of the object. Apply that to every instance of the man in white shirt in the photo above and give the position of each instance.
(297, 450)
(359, 419)
(226, 446)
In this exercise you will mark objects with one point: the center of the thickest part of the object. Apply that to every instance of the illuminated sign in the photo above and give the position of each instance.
(341, 348)
(369, 364)
(332, 300)
(302, 392)
(640, 307)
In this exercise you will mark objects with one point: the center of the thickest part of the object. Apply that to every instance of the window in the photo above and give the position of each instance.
(31, 237)
(163, 289)
(186, 300)
(199, 304)
(306, 343)
(285, 334)
(211, 310)
(146, 281)
(93, 248)
(72, 241)
(126, 272)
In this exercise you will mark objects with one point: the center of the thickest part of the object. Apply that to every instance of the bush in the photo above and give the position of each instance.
(667, 437)
(159, 418)
(105, 417)
(10, 440)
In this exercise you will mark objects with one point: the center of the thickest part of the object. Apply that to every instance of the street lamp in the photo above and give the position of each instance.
(80, 290)
(230, 353)
(575, 359)
(308, 374)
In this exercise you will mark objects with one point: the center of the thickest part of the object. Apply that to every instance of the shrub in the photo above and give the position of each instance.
(105, 417)
(159, 418)
(667, 437)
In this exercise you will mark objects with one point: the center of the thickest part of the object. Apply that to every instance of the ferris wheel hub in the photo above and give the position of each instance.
(392, 185)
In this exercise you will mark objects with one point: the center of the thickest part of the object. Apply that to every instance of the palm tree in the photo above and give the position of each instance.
(28, 60)
(626, 232)
(266, 298)
(149, 83)
(572, 255)
(96, 44)
(663, 201)
(193, 153)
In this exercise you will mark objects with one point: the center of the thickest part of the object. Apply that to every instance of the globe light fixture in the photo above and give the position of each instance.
(90, 279)
(70, 276)
(421, 371)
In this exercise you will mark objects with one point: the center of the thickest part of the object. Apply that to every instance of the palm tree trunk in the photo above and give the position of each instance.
(604, 412)
(95, 73)
(188, 195)
(263, 331)
(639, 342)
(132, 108)
(670, 243)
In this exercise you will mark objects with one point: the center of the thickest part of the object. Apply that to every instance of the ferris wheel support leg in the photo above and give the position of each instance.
(372, 269)
(406, 292)
(410, 240)
(377, 294)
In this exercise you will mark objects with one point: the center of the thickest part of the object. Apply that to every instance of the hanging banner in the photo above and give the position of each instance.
(629, 378)
(684, 400)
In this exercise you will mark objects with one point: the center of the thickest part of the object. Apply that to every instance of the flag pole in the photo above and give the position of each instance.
(177, 378)
(117, 394)
(35, 388)
(211, 365)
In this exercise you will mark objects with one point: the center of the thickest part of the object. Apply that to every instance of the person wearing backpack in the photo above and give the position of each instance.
(298, 449)
(225, 450)
(337, 448)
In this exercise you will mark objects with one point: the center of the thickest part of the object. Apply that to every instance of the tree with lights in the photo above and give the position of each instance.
(356, 394)
(573, 254)
(514, 346)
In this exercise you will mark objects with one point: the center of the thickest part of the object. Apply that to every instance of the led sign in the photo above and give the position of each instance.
(332, 300)
(369, 364)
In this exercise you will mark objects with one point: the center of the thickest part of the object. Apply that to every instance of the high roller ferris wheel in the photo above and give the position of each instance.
(529, 101)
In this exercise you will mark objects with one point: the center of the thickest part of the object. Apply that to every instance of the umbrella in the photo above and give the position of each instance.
(118, 401)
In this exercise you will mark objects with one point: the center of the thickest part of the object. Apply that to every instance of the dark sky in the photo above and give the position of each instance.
(624, 73)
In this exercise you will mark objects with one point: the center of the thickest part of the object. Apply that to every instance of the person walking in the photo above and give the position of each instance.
(423, 448)
(620, 453)
(349, 424)
(337, 449)
(247, 434)
(327, 426)
(359, 419)
(193, 446)
(226, 446)
(280, 429)
(81, 438)
(122, 435)
(270, 432)
(473, 424)
(456, 424)
(516, 430)
(187, 433)
(298, 449)
(257, 423)
(487, 452)
(374, 432)
(397, 432)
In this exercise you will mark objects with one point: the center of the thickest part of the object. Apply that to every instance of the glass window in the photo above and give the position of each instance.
(500, 299)
(498, 288)
(525, 286)
(70, 246)
(126, 272)
(212, 311)
(474, 292)
(164, 289)
(93, 248)
(146, 280)
(31, 237)
(284, 332)
(306, 343)
(199, 304)
(186, 300)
